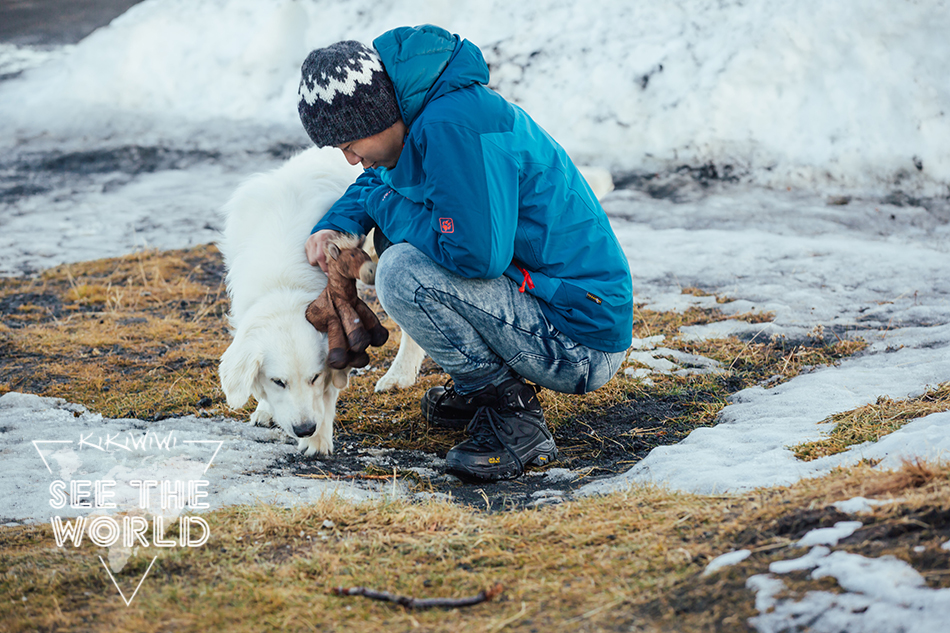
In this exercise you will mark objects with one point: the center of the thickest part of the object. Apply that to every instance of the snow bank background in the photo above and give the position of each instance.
(846, 96)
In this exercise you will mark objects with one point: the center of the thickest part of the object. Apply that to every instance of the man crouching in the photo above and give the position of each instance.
(502, 264)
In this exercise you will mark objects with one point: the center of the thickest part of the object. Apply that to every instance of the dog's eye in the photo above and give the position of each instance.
(313, 380)
(279, 383)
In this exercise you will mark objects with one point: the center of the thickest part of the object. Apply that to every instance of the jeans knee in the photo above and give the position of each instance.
(395, 284)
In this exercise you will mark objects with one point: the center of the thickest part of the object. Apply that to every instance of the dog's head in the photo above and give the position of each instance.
(280, 359)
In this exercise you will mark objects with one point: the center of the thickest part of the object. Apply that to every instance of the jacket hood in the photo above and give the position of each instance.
(425, 62)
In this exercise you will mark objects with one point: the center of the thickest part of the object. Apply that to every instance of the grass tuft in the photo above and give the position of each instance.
(873, 421)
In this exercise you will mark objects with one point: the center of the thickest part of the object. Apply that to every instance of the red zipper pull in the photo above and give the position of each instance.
(527, 279)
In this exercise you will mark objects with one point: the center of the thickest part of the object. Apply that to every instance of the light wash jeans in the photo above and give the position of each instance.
(481, 330)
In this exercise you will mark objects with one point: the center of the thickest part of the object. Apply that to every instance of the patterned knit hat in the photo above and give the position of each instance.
(345, 94)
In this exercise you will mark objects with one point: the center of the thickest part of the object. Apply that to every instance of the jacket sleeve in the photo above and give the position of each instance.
(464, 213)
(348, 214)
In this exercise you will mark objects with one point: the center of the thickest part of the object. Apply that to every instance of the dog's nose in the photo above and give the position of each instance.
(304, 430)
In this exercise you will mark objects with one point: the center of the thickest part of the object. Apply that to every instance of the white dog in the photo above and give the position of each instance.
(276, 355)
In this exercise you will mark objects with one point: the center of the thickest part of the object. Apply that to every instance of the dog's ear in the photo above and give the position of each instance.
(333, 251)
(240, 365)
(340, 377)
(368, 244)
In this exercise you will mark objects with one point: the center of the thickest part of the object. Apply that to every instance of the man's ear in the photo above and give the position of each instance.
(333, 251)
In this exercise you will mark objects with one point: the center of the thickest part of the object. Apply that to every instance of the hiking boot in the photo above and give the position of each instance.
(505, 436)
(443, 406)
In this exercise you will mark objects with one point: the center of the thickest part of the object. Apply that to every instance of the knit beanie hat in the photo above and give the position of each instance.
(345, 94)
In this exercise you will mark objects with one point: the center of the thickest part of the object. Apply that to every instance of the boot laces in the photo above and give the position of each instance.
(448, 391)
(488, 420)
(481, 429)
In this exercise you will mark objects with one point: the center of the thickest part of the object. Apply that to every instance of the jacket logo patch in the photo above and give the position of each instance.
(594, 298)
(447, 225)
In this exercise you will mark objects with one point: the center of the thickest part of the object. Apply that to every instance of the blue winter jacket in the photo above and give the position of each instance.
(482, 190)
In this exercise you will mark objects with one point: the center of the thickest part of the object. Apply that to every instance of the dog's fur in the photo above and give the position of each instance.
(276, 355)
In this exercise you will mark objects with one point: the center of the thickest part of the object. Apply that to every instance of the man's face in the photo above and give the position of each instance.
(378, 150)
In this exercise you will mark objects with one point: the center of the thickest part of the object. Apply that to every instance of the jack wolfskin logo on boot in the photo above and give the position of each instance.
(447, 225)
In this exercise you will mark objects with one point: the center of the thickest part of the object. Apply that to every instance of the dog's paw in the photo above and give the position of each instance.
(262, 416)
(395, 380)
(402, 373)
(316, 444)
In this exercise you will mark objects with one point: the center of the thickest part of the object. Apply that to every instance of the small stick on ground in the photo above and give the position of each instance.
(347, 476)
(420, 603)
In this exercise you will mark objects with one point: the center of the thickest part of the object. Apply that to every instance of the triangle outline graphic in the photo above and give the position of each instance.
(220, 443)
(122, 595)
(45, 463)
(128, 601)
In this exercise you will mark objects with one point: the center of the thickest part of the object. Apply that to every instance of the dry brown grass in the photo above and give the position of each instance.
(148, 330)
(630, 560)
(140, 336)
(133, 336)
(873, 421)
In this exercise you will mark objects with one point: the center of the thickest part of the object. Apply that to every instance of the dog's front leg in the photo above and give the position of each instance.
(402, 373)
(321, 442)
(263, 415)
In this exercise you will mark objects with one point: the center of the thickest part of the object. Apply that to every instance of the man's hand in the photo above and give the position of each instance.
(316, 247)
